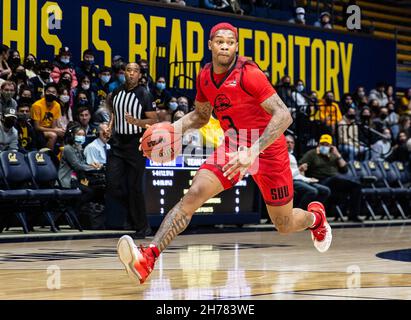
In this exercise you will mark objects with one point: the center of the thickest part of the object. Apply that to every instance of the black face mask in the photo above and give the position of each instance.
(329, 100)
(65, 82)
(29, 64)
(16, 60)
(21, 75)
(50, 97)
(45, 75)
(365, 118)
(350, 116)
(383, 116)
(23, 117)
(286, 84)
(9, 122)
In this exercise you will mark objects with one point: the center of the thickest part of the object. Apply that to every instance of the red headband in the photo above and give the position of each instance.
(225, 26)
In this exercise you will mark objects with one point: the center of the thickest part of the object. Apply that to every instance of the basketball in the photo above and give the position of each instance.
(161, 143)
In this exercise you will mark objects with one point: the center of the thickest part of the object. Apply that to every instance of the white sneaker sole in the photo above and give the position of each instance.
(323, 246)
(128, 255)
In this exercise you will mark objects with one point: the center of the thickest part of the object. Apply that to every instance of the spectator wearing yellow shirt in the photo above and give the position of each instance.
(405, 103)
(328, 111)
(45, 114)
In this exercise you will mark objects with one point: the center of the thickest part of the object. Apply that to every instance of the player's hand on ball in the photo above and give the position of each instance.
(240, 162)
(141, 139)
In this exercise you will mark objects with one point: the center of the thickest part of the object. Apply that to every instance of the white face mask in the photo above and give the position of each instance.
(85, 86)
(64, 98)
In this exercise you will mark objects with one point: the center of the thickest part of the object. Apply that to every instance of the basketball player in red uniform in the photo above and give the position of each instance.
(243, 100)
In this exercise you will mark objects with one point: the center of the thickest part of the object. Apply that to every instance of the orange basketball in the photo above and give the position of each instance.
(160, 143)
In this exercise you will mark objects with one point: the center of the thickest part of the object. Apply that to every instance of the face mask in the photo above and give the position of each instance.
(300, 16)
(173, 106)
(16, 60)
(21, 75)
(383, 116)
(23, 117)
(79, 139)
(300, 88)
(286, 84)
(89, 62)
(350, 116)
(65, 60)
(105, 79)
(401, 141)
(29, 64)
(161, 86)
(64, 98)
(183, 107)
(66, 82)
(365, 117)
(45, 75)
(122, 78)
(144, 69)
(8, 95)
(85, 86)
(9, 122)
(361, 94)
(50, 97)
(328, 100)
(83, 102)
(324, 150)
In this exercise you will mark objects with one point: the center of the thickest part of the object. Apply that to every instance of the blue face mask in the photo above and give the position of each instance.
(105, 79)
(161, 85)
(65, 60)
(324, 150)
(300, 88)
(122, 78)
(173, 106)
(79, 139)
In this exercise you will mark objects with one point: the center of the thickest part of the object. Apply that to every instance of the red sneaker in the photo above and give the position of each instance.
(321, 235)
(139, 262)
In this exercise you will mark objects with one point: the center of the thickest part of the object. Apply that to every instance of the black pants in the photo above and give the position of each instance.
(305, 192)
(346, 185)
(124, 177)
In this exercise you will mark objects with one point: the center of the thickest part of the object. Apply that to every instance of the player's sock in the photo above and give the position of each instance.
(154, 250)
(317, 220)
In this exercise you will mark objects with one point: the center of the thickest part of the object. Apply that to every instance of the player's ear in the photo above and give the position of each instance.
(209, 44)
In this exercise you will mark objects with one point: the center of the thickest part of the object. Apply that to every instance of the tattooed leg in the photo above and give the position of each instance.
(205, 186)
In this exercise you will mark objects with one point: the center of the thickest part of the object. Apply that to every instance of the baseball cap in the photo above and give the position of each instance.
(325, 13)
(10, 112)
(326, 138)
(300, 10)
(118, 57)
(64, 51)
(225, 26)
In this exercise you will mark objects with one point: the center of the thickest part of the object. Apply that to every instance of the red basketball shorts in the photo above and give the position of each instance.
(271, 172)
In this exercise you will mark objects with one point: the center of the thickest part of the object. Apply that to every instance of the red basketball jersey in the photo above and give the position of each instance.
(237, 101)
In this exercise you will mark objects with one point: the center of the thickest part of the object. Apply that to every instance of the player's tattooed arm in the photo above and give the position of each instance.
(175, 222)
(279, 122)
(195, 119)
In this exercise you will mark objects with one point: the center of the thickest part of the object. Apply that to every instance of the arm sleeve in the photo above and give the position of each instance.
(75, 163)
(55, 75)
(200, 97)
(35, 112)
(14, 143)
(256, 83)
(306, 158)
(91, 154)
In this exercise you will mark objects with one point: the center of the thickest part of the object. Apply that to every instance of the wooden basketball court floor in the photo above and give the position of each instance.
(362, 263)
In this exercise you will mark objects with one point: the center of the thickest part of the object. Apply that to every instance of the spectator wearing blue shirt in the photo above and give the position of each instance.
(96, 151)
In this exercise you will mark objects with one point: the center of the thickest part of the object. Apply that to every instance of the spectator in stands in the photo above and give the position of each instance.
(180, 3)
(161, 96)
(379, 94)
(25, 95)
(145, 73)
(325, 163)
(306, 189)
(66, 81)
(96, 151)
(329, 112)
(381, 122)
(19, 77)
(348, 136)
(405, 124)
(183, 104)
(62, 64)
(30, 64)
(300, 97)
(87, 67)
(324, 21)
(299, 16)
(405, 103)
(102, 114)
(400, 151)
(84, 116)
(80, 100)
(390, 93)
(5, 70)
(14, 59)
(219, 5)
(39, 82)
(360, 98)
(117, 62)
(8, 91)
(119, 77)
(27, 139)
(284, 90)
(66, 112)
(375, 107)
(347, 102)
(100, 85)
(393, 119)
(8, 134)
(45, 113)
(382, 149)
(85, 87)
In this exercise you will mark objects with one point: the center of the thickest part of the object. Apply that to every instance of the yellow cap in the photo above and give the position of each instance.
(326, 138)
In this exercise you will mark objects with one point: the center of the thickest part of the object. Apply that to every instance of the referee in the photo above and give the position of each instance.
(125, 163)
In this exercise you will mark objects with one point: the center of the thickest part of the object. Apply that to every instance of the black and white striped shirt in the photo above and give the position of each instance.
(136, 102)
